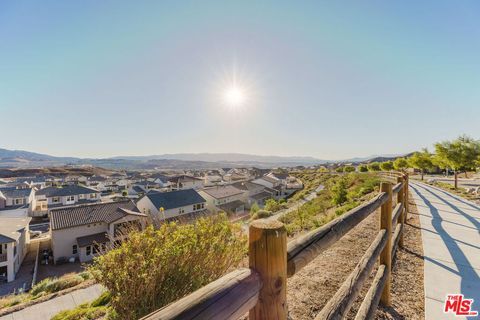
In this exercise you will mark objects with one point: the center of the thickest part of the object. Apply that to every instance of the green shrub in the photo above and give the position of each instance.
(102, 300)
(82, 312)
(272, 205)
(339, 192)
(155, 267)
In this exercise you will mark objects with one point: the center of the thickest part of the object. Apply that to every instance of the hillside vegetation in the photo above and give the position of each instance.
(342, 192)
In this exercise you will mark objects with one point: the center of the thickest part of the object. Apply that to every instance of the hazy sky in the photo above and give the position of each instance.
(332, 80)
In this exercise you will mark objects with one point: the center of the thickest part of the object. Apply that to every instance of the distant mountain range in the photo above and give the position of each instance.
(26, 159)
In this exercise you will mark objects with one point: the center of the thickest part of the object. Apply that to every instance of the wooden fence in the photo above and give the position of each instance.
(261, 290)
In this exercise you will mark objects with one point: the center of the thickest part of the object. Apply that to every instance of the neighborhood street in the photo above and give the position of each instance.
(451, 244)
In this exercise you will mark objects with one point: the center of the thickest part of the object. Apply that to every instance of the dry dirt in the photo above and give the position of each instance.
(310, 289)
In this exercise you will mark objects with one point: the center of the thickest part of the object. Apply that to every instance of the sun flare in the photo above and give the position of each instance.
(234, 97)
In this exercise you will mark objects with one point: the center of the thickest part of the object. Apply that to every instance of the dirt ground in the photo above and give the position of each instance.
(310, 289)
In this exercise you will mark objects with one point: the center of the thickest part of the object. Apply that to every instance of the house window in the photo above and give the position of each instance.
(180, 211)
(70, 198)
(14, 250)
(19, 201)
(89, 250)
(93, 195)
(81, 196)
(203, 205)
(74, 249)
(55, 199)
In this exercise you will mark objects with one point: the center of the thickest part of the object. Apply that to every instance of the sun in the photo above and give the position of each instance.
(234, 96)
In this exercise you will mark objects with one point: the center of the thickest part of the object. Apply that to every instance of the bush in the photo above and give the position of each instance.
(362, 168)
(155, 267)
(374, 166)
(51, 285)
(339, 192)
(82, 312)
(349, 169)
(272, 205)
(254, 209)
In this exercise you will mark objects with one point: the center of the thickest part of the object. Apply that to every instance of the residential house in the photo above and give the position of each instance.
(224, 198)
(52, 197)
(171, 205)
(160, 179)
(17, 201)
(14, 238)
(272, 183)
(183, 182)
(254, 193)
(85, 231)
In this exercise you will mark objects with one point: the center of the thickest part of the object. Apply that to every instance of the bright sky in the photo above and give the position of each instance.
(332, 80)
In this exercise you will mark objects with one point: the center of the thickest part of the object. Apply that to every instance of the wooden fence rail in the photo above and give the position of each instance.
(261, 289)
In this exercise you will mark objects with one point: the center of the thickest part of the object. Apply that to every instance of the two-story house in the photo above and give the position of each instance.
(185, 182)
(172, 205)
(85, 231)
(14, 238)
(53, 197)
(254, 193)
(16, 201)
(224, 198)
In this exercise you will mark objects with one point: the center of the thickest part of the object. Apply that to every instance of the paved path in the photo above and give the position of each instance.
(451, 244)
(47, 309)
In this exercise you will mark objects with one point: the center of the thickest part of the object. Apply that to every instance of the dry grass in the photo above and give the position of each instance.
(310, 289)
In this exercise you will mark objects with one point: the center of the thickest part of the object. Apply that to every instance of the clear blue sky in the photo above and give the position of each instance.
(331, 80)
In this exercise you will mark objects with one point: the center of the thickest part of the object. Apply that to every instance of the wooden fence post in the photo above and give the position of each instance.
(401, 199)
(386, 255)
(406, 197)
(268, 256)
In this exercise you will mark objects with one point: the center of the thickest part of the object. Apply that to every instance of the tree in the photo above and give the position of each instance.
(362, 168)
(349, 169)
(339, 192)
(124, 193)
(460, 154)
(386, 166)
(400, 164)
(374, 166)
(421, 160)
(254, 209)
(339, 169)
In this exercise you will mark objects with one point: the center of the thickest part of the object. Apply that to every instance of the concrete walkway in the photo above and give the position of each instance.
(46, 310)
(451, 244)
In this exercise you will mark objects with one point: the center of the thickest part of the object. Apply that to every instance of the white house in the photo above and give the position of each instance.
(14, 238)
(53, 197)
(224, 198)
(85, 231)
(184, 182)
(18, 200)
(172, 205)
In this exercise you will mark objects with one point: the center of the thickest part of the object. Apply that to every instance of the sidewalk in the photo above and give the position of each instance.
(47, 309)
(451, 243)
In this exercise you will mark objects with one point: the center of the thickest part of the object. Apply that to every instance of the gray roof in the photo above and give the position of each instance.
(231, 206)
(246, 185)
(11, 228)
(101, 237)
(15, 193)
(183, 178)
(262, 195)
(220, 192)
(69, 190)
(74, 216)
(175, 199)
